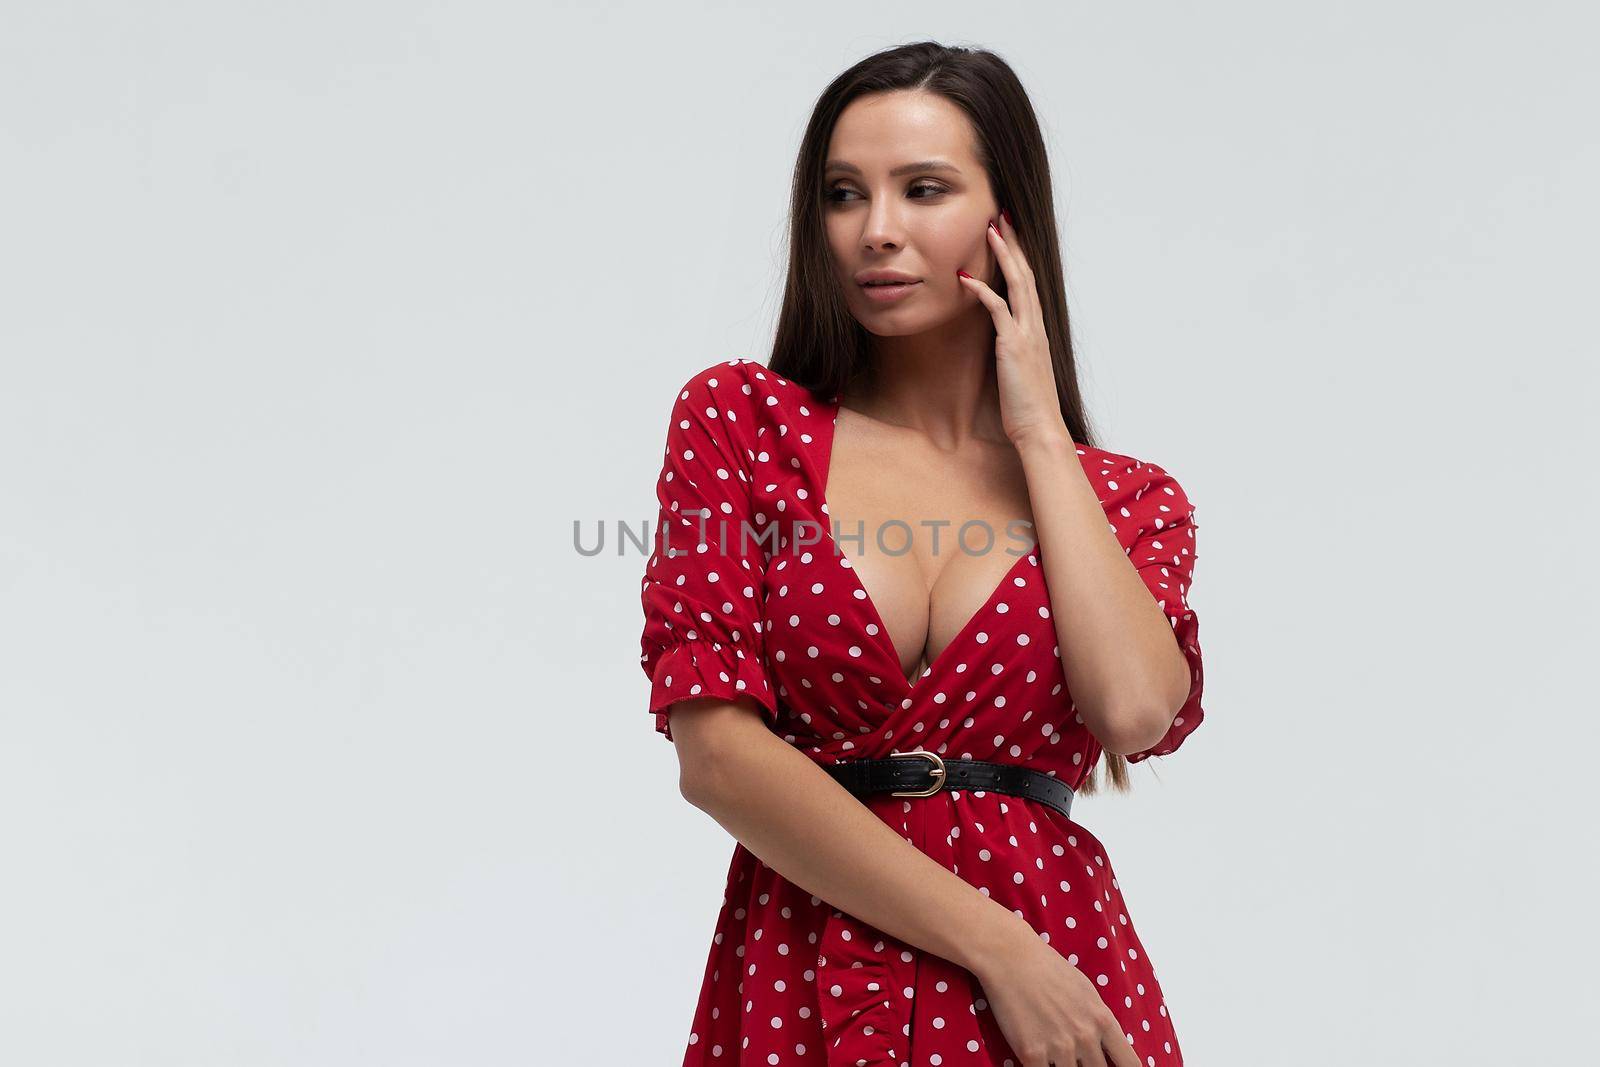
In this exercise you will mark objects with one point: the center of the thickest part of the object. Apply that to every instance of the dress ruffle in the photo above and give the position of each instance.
(706, 668)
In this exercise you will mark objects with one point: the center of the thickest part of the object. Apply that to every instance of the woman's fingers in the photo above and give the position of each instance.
(1021, 287)
(1121, 1053)
(989, 299)
(1090, 1056)
(1008, 267)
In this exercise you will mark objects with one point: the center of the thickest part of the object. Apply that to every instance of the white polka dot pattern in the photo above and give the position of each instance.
(785, 622)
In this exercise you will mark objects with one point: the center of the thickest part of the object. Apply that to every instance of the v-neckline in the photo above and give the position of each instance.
(882, 639)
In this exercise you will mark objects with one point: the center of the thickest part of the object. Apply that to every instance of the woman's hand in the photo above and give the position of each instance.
(1029, 404)
(1049, 1011)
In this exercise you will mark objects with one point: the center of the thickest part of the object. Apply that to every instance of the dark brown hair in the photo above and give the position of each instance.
(818, 343)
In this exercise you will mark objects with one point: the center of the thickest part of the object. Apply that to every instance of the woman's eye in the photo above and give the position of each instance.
(837, 193)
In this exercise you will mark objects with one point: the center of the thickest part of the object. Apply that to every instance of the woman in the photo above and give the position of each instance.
(897, 732)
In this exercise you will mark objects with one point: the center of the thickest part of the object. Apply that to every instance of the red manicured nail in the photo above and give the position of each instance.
(1007, 215)
(993, 227)
(963, 273)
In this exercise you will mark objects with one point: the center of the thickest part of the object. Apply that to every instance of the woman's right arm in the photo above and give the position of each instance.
(793, 816)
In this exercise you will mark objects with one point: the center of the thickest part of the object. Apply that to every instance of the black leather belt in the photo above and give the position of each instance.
(922, 774)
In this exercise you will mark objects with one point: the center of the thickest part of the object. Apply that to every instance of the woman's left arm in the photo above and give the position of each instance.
(1125, 670)
(1126, 673)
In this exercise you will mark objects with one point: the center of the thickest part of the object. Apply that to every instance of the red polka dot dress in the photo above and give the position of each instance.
(784, 620)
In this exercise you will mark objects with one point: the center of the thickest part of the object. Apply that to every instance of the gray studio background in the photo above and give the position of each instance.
(321, 744)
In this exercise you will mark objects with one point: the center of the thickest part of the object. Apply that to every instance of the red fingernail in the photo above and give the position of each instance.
(963, 273)
(1007, 215)
(993, 227)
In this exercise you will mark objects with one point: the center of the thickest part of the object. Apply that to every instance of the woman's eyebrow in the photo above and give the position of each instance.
(904, 168)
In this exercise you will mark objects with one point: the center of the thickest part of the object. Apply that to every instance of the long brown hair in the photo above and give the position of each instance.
(818, 343)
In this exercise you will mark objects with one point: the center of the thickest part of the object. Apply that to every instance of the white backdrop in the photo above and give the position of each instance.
(320, 742)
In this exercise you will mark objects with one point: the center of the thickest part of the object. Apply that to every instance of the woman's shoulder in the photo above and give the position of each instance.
(747, 396)
(1122, 481)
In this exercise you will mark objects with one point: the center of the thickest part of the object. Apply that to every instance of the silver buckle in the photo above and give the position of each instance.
(938, 773)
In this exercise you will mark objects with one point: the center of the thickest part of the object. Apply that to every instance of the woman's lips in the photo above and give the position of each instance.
(888, 294)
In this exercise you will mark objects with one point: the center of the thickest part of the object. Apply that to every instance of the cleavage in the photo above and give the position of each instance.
(924, 596)
(925, 601)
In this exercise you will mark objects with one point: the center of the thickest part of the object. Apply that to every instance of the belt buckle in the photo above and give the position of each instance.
(937, 770)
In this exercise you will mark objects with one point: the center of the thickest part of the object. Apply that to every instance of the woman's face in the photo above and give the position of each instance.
(903, 192)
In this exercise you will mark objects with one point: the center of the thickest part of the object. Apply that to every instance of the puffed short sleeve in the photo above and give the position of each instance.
(703, 593)
(1163, 552)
